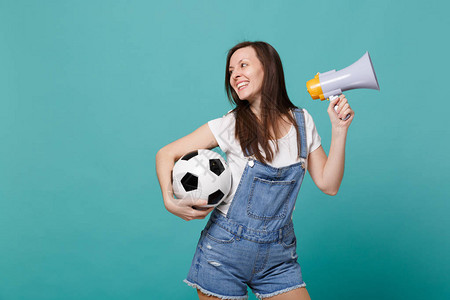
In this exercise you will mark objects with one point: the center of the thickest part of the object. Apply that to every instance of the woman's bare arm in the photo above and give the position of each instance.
(327, 172)
(201, 138)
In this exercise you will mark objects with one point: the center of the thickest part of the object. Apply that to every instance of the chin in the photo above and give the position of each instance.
(243, 97)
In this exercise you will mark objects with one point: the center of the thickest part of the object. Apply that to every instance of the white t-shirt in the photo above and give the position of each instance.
(223, 130)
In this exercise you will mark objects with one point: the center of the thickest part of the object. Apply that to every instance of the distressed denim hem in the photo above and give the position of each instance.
(208, 293)
(262, 296)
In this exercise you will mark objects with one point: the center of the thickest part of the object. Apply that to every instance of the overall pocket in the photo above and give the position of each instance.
(289, 240)
(269, 199)
(219, 235)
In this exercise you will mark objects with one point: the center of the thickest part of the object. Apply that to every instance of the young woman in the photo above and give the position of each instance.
(249, 239)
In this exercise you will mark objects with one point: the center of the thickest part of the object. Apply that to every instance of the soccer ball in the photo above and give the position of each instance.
(201, 174)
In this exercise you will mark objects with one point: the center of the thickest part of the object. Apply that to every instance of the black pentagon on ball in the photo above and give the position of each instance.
(216, 166)
(190, 155)
(189, 182)
(215, 197)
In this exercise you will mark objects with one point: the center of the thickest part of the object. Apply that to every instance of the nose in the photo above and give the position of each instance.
(236, 75)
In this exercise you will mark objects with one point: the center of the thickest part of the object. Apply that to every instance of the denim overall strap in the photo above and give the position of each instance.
(301, 147)
(264, 200)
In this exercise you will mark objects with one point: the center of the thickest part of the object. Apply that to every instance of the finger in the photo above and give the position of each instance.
(337, 101)
(342, 101)
(341, 105)
(200, 208)
(201, 202)
(193, 201)
(332, 104)
(345, 113)
(341, 110)
(202, 214)
(187, 201)
(352, 115)
(334, 101)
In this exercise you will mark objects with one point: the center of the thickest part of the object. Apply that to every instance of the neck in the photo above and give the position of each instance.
(256, 107)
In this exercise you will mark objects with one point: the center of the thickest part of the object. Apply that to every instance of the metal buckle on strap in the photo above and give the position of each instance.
(251, 161)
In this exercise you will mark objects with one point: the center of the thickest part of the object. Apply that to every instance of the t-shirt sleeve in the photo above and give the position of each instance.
(223, 131)
(313, 137)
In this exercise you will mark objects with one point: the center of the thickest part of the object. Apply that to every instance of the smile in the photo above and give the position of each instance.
(242, 85)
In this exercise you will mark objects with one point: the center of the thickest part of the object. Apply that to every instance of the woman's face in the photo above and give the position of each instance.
(246, 74)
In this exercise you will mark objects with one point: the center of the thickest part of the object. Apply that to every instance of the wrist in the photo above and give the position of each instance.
(339, 131)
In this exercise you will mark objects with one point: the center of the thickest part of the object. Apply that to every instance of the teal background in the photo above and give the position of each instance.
(91, 90)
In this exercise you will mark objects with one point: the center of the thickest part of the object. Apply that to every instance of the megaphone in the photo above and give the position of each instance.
(329, 85)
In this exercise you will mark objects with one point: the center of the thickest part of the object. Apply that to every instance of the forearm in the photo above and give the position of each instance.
(334, 167)
(164, 167)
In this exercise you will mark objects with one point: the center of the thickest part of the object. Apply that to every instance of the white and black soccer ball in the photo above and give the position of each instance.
(201, 174)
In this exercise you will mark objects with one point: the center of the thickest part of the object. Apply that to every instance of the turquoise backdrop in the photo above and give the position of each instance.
(91, 90)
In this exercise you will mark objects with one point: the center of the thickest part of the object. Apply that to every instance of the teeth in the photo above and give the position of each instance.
(242, 84)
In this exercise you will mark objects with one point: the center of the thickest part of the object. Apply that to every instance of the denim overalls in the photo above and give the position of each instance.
(255, 243)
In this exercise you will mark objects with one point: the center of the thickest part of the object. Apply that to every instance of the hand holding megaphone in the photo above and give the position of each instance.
(336, 107)
(331, 84)
(340, 111)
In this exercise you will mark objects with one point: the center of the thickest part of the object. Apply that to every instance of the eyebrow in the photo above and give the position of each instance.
(238, 63)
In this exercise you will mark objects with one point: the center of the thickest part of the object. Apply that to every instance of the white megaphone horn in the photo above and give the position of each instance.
(359, 75)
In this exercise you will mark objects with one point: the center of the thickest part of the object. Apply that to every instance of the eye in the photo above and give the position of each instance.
(242, 65)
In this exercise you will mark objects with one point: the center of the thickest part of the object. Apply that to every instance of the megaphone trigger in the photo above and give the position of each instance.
(333, 97)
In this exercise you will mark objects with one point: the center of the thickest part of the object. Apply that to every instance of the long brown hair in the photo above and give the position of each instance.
(275, 103)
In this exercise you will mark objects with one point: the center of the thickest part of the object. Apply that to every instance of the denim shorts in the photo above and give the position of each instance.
(226, 262)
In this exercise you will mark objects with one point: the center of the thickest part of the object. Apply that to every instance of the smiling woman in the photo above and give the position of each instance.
(246, 77)
(266, 96)
(249, 239)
